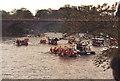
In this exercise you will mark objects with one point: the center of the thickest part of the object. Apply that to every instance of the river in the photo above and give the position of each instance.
(35, 62)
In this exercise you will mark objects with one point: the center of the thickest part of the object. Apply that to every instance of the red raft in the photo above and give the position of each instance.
(22, 42)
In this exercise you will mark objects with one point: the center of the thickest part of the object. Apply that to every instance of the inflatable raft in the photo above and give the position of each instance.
(86, 53)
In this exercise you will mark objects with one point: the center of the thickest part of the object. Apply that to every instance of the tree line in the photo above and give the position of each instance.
(67, 12)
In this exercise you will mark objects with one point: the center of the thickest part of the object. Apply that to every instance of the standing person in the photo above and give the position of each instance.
(115, 65)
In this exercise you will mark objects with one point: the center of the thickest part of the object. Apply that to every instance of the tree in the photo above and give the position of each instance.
(118, 11)
(88, 13)
(42, 13)
(5, 14)
(103, 59)
(22, 13)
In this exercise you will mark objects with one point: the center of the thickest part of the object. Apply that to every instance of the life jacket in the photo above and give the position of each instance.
(70, 42)
(18, 41)
(52, 42)
(63, 51)
(55, 42)
(25, 40)
(75, 41)
(41, 41)
(54, 48)
(71, 51)
(67, 52)
(44, 40)
(58, 48)
(50, 48)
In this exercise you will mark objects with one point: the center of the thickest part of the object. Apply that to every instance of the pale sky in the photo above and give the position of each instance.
(33, 5)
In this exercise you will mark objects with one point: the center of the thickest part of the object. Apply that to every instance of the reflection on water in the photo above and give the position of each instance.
(35, 62)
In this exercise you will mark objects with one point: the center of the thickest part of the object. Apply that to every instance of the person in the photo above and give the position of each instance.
(71, 51)
(45, 41)
(58, 49)
(26, 39)
(41, 41)
(18, 42)
(55, 49)
(52, 42)
(55, 42)
(115, 65)
(63, 52)
(75, 41)
(51, 49)
(67, 52)
(70, 41)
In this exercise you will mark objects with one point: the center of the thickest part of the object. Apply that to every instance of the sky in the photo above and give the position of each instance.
(33, 5)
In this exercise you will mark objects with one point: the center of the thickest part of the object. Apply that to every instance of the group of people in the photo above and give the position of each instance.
(71, 41)
(52, 41)
(22, 42)
(43, 41)
(63, 51)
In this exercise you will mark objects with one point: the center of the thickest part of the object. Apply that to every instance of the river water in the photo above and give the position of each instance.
(35, 62)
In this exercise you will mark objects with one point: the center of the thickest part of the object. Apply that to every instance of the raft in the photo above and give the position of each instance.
(86, 53)
(52, 42)
(67, 56)
(72, 56)
(43, 41)
(20, 43)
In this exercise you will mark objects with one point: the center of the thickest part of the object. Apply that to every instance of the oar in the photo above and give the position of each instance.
(48, 52)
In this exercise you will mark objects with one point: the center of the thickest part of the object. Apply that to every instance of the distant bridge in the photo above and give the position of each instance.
(62, 19)
(41, 24)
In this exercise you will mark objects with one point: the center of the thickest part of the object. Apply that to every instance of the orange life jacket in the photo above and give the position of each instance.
(71, 51)
(67, 52)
